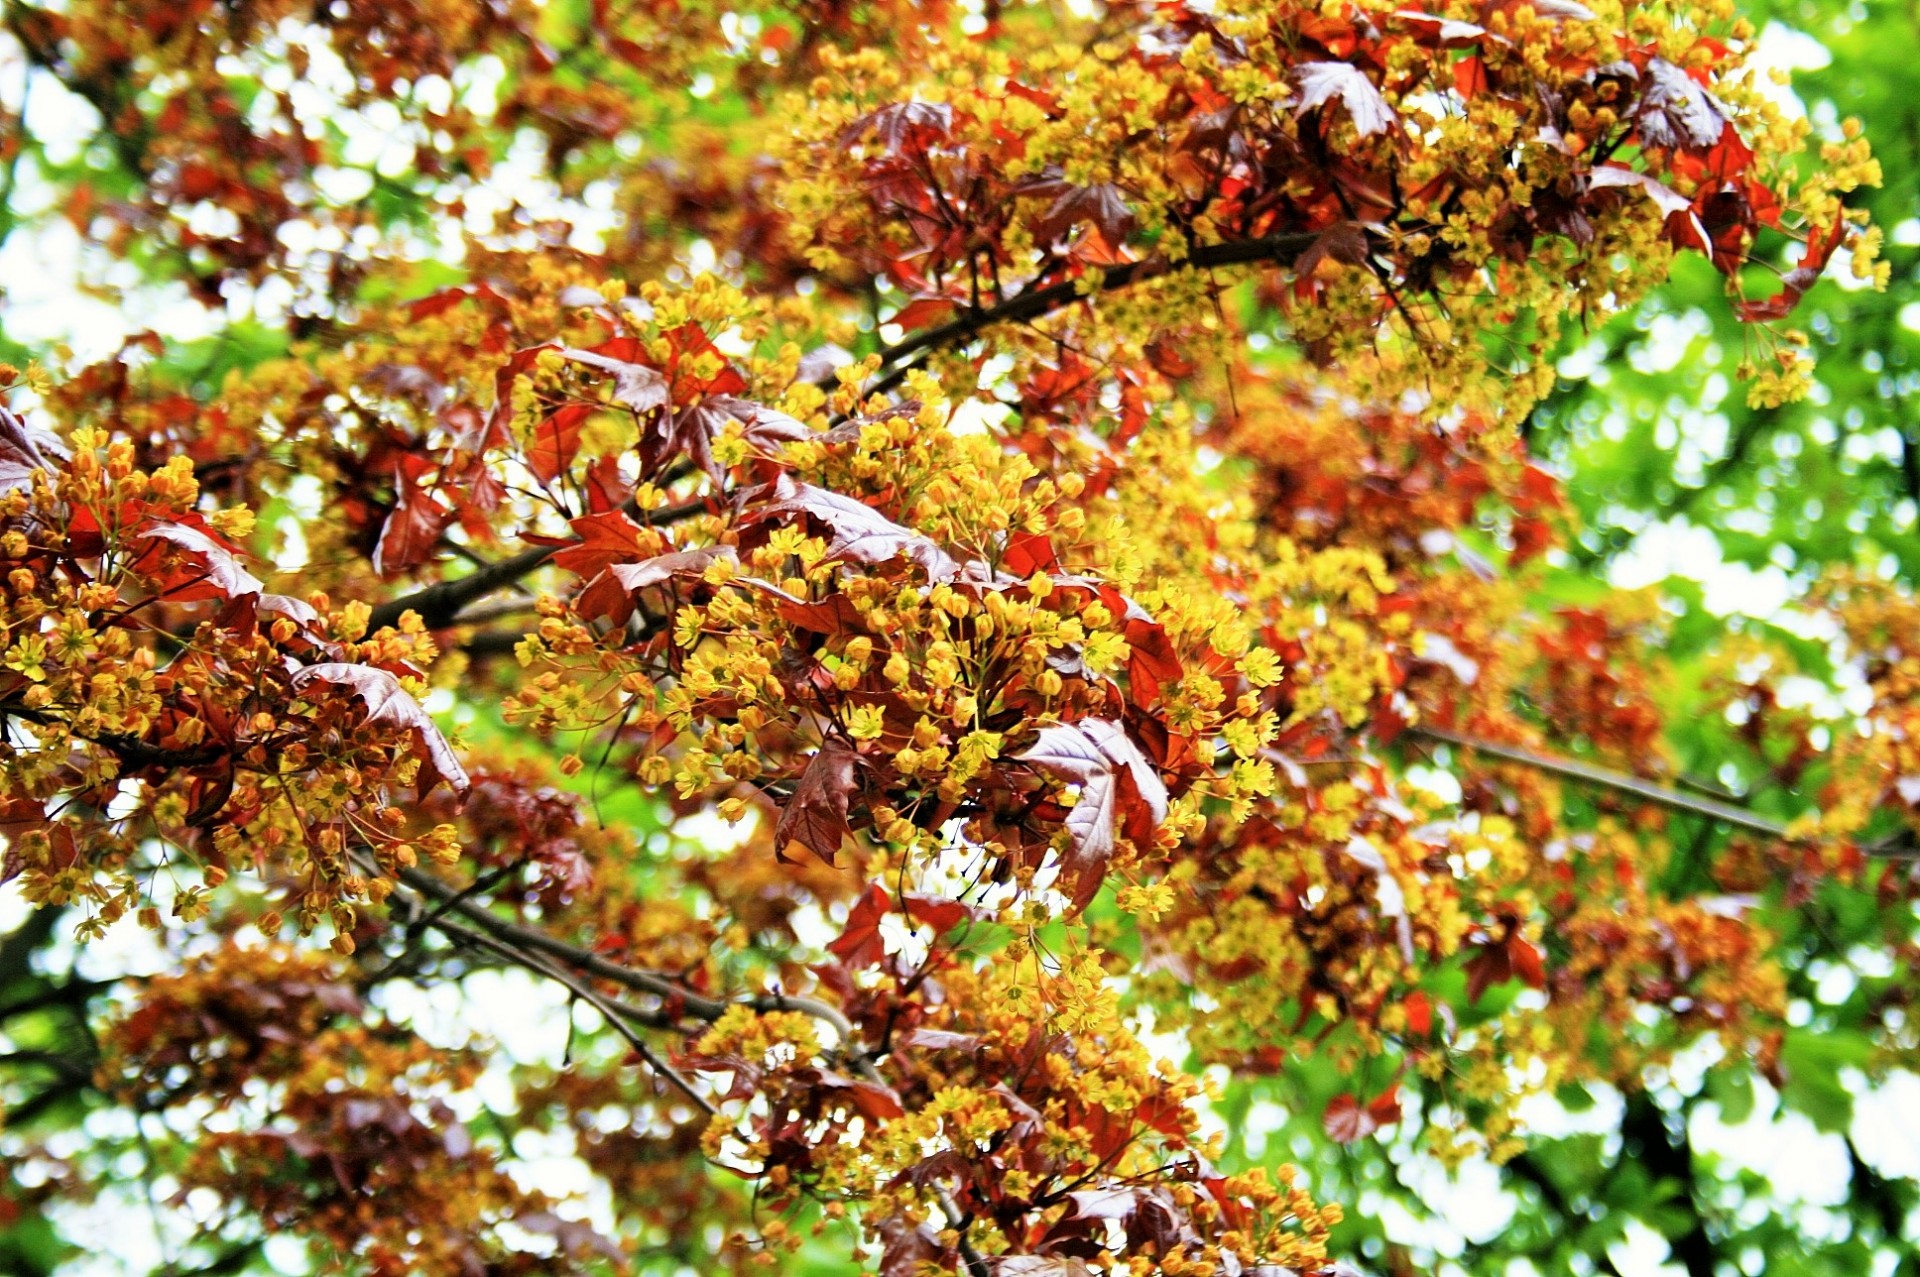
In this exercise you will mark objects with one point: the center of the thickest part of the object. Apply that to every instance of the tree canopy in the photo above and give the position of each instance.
(990, 638)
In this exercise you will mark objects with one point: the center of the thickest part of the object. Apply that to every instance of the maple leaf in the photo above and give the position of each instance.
(574, 1238)
(24, 449)
(1039, 1266)
(1027, 553)
(1446, 33)
(221, 575)
(908, 1248)
(1102, 204)
(1677, 207)
(1820, 247)
(1470, 77)
(692, 430)
(664, 567)
(856, 532)
(1346, 1121)
(1676, 110)
(922, 311)
(859, 943)
(1344, 242)
(902, 125)
(1104, 1203)
(556, 440)
(816, 815)
(1119, 789)
(1505, 959)
(1321, 82)
(938, 1040)
(820, 363)
(1419, 1014)
(1560, 10)
(1527, 962)
(636, 386)
(938, 912)
(606, 539)
(388, 702)
(411, 531)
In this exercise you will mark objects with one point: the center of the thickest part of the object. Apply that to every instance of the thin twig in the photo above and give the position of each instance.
(671, 991)
(615, 1013)
(1651, 791)
(1040, 301)
(959, 1222)
(439, 605)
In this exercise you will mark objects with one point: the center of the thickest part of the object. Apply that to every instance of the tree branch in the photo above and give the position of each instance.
(1650, 791)
(438, 605)
(1041, 301)
(616, 1013)
(1526, 1169)
(668, 990)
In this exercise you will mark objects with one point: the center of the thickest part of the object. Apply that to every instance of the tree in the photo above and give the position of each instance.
(980, 590)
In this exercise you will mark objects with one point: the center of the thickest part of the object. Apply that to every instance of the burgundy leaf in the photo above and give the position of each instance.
(909, 1248)
(1346, 1121)
(1344, 242)
(299, 611)
(691, 431)
(822, 362)
(938, 912)
(635, 386)
(605, 539)
(574, 1237)
(388, 702)
(1676, 110)
(411, 383)
(1118, 788)
(556, 440)
(874, 1102)
(937, 1040)
(816, 815)
(1669, 201)
(411, 532)
(1492, 965)
(1444, 32)
(903, 124)
(1819, 249)
(856, 532)
(1104, 1203)
(1321, 82)
(1103, 204)
(859, 944)
(223, 570)
(23, 449)
(1162, 1223)
(638, 576)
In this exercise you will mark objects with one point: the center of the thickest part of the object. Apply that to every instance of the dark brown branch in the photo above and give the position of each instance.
(1667, 1154)
(439, 605)
(1041, 301)
(1650, 791)
(1526, 1169)
(616, 1013)
(131, 749)
(660, 986)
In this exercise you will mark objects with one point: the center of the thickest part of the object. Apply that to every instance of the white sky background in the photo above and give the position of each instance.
(45, 266)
